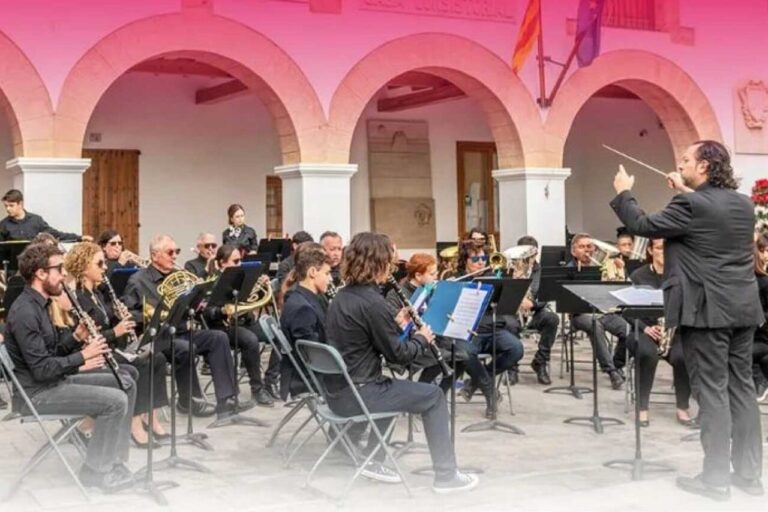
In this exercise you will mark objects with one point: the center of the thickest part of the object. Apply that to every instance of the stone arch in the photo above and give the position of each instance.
(25, 102)
(244, 53)
(509, 108)
(667, 89)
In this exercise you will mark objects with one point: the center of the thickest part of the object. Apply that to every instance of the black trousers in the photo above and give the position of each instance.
(611, 323)
(546, 323)
(214, 347)
(720, 364)
(406, 396)
(249, 346)
(647, 357)
(147, 371)
(760, 357)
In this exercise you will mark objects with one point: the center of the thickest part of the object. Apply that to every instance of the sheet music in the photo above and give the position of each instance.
(465, 313)
(634, 296)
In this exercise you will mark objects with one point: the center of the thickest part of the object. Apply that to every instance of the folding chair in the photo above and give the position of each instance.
(279, 342)
(325, 360)
(69, 423)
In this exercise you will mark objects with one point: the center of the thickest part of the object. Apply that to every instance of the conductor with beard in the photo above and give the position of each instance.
(710, 295)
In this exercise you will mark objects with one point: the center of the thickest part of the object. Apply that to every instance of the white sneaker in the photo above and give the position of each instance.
(379, 472)
(461, 482)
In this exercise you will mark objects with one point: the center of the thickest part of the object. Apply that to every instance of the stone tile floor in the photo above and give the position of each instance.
(554, 466)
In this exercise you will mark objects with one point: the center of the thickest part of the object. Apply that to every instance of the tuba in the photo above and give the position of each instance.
(521, 259)
(449, 258)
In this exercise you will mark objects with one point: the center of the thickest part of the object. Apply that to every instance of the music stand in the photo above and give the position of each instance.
(551, 290)
(177, 314)
(553, 256)
(276, 247)
(9, 254)
(637, 465)
(594, 298)
(233, 283)
(506, 298)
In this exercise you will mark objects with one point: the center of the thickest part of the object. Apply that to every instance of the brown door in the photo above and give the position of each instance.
(111, 194)
(274, 207)
(477, 190)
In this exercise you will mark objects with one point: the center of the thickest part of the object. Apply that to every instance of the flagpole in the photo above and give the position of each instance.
(543, 101)
(567, 66)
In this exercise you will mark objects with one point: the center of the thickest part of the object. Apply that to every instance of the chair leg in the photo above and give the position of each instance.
(289, 457)
(328, 450)
(283, 422)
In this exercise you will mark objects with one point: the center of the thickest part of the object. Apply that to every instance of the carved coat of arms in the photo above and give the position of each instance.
(754, 104)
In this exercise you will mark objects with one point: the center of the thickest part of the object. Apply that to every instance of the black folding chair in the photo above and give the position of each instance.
(324, 360)
(68, 425)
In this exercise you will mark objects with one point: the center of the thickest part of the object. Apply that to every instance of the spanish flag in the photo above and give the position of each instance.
(528, 35)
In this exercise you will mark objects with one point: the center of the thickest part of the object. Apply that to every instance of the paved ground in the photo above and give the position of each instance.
(553, 467)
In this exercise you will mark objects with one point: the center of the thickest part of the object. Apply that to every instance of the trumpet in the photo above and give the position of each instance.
(140, 262)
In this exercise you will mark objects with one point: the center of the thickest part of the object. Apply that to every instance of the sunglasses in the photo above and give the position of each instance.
(173, 252)
(101, 263)
(211, 246)
(476, 259)
(119, 243)
(58, 267)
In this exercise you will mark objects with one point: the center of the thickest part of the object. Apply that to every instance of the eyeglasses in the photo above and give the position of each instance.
(211, 246)
(101, 263)
(118, 243)
(173, 252)
(476, 259)
(58, 267)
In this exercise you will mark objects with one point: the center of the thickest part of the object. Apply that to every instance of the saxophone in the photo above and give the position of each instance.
(667, 335)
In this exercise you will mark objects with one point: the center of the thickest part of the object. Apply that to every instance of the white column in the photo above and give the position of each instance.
(53, 188)
(316, 198)
(532, 202)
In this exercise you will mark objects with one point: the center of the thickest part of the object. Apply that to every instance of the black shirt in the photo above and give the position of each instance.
(284, 268)
(197, 266)
(246, 239)
(143, 286)
(100, 310)
(761, 335)
(29, 227)
(647, 276)
(40, 357)
(303, 318)
(360, 326)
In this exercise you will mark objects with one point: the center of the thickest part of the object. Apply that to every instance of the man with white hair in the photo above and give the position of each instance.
(211, 344)
(205, 247)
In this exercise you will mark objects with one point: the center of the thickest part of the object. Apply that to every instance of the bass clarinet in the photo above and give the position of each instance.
(93, 332)
(419, 323)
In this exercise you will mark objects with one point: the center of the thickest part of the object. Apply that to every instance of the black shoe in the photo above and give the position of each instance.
(273, 390)
(226, 409)
(692, 423)
(644, 423)
(542, 374)
(696, 485)
(200, 409)
(263, 398)
(620, 371)
(753, 487)
(113, 481)
(490, 412)
(468, 390)
(514, 376)
(155, 435)
(616, 380)
(3, 403)
(205, 369)
(245, 406)
(143, 446)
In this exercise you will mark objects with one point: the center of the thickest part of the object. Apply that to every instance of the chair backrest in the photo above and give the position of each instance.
(7, 364)
(278, 340)
(321, 358)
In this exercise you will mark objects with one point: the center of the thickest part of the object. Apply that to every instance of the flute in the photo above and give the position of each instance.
(419, 323)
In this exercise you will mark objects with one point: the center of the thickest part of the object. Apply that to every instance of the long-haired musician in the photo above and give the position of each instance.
(238, 233)
(85, 262)
(111, 242)
(645, 350)
(509, 349)
(363, 330)
(760, 349)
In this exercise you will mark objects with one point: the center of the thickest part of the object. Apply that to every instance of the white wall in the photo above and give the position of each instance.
(617, 123)
(195, 159)
(449, 122)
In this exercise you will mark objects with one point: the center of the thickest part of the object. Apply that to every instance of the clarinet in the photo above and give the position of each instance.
(93, 332)
(131, 350)
(419, 323)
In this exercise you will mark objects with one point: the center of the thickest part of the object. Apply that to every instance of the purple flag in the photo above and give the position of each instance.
(588, 29)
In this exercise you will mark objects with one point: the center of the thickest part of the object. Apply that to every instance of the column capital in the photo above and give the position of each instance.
(527, 173)
(310, 170)
(48, 165)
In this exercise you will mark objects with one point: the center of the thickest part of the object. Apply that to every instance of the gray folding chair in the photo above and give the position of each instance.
(308, 400)
(68, 422)
(324, 360)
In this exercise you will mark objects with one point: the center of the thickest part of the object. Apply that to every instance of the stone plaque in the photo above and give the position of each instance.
(409, 222)
(751, 117)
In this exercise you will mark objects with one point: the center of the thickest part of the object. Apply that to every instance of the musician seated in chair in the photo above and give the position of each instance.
(537, 317)
(582, 251)
(85, 262)
(304, 308)
(647, 350)
(509, 348)
(247, 336)
(115, 254)
(362, 329)
(334, 246)
(422, 273)
(213, 345)
(206, 250)
(760, 348)
(285, 266)
(64, 375)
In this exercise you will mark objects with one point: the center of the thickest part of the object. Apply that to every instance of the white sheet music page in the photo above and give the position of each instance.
(466, 312)
(639, 296)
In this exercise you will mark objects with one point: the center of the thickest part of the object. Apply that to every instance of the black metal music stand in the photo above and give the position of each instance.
(637, 465)
(147, 484)
(594, 298)
(176, 316)
(507, 296)
(233, 283)
(551, 290)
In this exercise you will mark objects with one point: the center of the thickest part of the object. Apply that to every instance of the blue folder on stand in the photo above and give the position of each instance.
(454, 309)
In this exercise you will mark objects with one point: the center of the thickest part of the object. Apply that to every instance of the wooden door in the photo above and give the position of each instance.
(111, 194)
(477, 191)
(274, 207)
